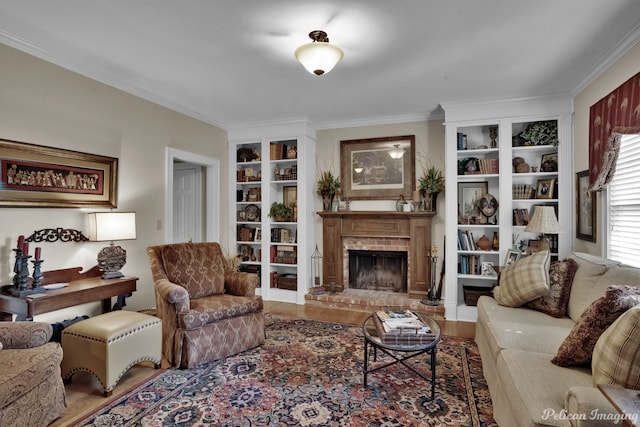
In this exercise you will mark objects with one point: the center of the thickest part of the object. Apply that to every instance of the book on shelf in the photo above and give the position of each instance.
(489, 166)
(521, 216)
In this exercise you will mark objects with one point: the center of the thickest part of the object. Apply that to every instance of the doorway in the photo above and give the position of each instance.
(192, 207)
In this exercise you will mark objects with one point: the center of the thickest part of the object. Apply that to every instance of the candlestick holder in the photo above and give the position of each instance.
(16, 268)
(37, 277)
(23, 277)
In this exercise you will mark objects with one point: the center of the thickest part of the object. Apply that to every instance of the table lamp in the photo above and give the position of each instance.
(543, 221)
(108, 227)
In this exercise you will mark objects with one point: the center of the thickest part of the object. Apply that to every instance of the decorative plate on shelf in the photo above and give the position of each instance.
(488, 205)
(252, 212)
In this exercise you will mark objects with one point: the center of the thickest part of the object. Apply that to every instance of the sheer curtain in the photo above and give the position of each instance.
(616, 114)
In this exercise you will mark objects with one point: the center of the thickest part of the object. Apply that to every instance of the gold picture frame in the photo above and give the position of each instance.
(368, 172)
(546, 188)
(39, 176)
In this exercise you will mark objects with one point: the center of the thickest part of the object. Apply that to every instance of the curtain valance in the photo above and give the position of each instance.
(616, 114)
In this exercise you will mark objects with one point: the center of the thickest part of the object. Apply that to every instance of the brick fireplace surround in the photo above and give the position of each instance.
(378, 231)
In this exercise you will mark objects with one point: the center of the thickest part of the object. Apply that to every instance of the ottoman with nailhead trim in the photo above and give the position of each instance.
(109, 344)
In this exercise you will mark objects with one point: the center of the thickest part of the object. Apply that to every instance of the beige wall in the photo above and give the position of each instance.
(429, 148)
(614, 76)
(43, 104)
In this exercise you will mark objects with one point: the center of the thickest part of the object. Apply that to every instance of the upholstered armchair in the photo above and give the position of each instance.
(31, 388)
(208, 312)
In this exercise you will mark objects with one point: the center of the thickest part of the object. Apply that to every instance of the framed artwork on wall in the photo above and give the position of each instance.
(585, 208)
(369, 172)
(39, 176)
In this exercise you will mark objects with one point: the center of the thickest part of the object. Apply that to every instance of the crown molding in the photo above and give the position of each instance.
(438, 114)
(613, 56)
(86, 70)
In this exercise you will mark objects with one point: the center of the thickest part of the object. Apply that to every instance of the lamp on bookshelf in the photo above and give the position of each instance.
(543, 221)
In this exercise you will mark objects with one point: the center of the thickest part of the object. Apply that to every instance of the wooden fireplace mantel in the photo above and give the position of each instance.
(415, 226)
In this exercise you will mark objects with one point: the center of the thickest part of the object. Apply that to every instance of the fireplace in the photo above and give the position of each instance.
(378, 270)
(406, 232)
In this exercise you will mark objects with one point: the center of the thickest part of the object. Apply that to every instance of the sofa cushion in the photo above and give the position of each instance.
(590, 269)
(197, 267)
(214, 308)
(577, 348)
(524, 280)
(554, 302)
(536, 388)
(616, 356)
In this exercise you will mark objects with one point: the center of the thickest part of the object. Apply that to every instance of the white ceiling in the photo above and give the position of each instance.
(231, 63)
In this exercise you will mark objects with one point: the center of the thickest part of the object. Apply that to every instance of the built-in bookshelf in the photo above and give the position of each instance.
(265, 161)
(495, 178)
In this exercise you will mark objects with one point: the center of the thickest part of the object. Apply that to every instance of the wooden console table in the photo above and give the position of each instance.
(82, 288)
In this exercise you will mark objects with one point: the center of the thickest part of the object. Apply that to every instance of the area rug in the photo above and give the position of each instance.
(309, 373)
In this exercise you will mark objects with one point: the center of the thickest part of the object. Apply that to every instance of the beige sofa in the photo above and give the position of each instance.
(31, 389)
(518, 344)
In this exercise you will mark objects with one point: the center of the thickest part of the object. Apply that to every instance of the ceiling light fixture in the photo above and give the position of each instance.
(319, 56)
(396, 152)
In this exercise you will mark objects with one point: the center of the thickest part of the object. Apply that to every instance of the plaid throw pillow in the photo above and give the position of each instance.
(616, 359)
(524, 280)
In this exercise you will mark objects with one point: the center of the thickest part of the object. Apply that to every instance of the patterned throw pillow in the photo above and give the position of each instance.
(616, 359)
(524, 280)
(554, 303)
(577, 348)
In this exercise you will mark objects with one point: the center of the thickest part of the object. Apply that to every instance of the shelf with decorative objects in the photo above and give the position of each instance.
(281, 205)
(502, 160)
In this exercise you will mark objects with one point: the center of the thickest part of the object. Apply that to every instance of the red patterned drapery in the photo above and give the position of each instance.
(616, 114)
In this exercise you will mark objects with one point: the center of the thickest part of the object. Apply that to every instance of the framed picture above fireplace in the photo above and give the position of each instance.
(378, 168)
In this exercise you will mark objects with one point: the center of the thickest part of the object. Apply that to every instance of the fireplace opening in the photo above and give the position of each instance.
(378, 270)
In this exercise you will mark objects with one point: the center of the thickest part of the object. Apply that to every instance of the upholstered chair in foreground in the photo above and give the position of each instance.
(208, 312)
(31, 388)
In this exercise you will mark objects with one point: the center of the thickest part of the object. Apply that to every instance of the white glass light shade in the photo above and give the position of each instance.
(110, 226)
(543, 221)
(319, 57)
(396, 152)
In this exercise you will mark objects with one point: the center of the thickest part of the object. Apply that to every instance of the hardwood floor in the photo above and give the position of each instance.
(84, 393)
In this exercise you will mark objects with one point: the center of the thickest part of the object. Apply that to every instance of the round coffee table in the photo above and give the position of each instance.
(400, 353)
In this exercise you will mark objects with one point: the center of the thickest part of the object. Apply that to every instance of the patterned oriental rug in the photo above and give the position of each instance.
(309, 373)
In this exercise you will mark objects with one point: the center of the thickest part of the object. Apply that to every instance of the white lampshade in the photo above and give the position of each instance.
(110, 226)
(543, 221)
(319, 57)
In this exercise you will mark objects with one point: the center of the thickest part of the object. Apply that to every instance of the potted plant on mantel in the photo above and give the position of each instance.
(327, 186)
(431, 184)
(279, 212)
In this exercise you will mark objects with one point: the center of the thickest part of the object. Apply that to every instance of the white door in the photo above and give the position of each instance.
(187, 202)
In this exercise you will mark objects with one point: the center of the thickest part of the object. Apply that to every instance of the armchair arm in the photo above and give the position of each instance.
(173, 294)
(240, 283)
(21, 335)
(584, 402)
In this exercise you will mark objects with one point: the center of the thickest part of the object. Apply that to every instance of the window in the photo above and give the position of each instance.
(623, 202)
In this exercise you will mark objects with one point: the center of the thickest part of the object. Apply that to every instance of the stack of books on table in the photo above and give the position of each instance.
(402, 328)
